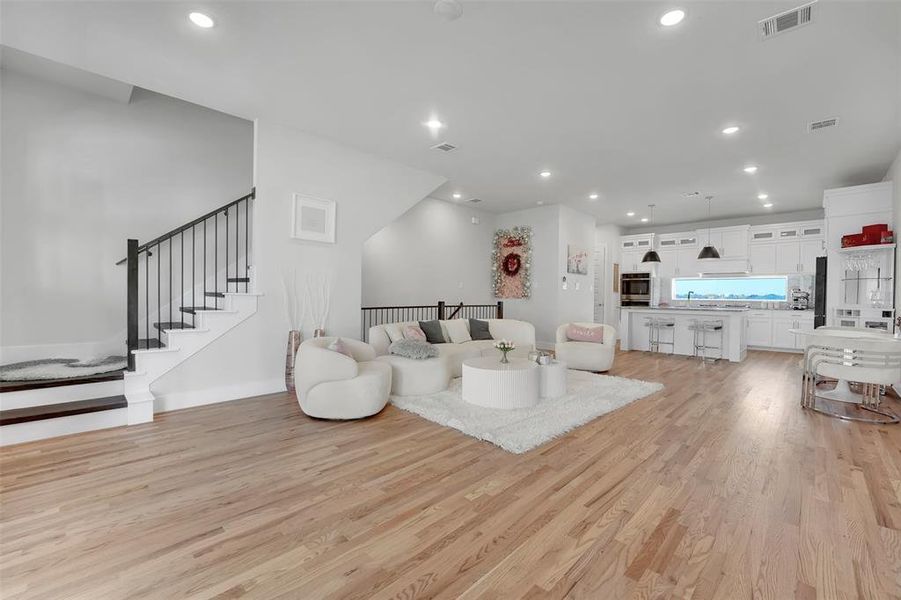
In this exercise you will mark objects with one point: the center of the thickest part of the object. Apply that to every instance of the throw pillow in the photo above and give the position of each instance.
(478, 330)
(458, 331)
(414, 349)
(432, 331)
(585, 334)
(413, 332)
(395, 331)
(340, 347)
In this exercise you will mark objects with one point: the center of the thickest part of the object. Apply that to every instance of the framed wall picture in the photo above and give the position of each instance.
(511, 263)
(576, 260)
(313, 219)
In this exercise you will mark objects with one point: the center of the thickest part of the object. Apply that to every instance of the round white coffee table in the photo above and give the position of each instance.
(490, 383)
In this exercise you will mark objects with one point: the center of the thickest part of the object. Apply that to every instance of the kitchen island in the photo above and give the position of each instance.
(634, 330)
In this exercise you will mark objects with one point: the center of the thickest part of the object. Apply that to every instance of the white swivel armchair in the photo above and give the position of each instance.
(586, 356)
(331, 385)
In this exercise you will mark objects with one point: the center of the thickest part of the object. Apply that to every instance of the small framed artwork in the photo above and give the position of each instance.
(576, 260)
(313, 219)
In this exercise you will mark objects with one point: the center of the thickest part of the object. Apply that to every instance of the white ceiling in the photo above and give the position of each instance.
(596, 92)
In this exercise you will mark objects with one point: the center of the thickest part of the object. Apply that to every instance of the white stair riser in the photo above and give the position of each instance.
(57, 395)
(47, 428)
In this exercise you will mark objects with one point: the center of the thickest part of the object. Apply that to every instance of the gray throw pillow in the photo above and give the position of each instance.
(432, 331)
(478, 330)
(413, 349)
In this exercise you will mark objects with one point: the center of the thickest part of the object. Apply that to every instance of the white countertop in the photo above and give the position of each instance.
(694, 309)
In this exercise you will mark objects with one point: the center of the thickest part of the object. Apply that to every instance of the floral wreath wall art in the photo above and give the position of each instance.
(511, 263)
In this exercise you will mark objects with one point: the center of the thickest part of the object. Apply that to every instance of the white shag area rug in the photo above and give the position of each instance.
(588, 396)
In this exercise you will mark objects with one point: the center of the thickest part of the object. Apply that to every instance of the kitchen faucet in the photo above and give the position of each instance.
(689, 298)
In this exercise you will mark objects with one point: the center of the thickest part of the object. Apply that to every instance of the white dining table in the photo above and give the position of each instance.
(842, 391)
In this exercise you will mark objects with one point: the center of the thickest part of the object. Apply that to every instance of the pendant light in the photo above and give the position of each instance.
(651, 255)
(708, 251)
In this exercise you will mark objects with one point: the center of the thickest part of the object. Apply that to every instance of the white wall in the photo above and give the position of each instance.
(894, 175)
(432, 252)
(608, 236)
(576, 302)
(80, 174)
(370, 193)
(553, 228)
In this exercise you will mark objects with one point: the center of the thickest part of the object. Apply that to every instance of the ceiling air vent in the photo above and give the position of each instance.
(785, 21)
(475, 200)
(817, 125)
(444, 147)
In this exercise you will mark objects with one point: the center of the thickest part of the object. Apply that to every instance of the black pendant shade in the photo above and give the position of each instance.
(651, 256)
(708, 252)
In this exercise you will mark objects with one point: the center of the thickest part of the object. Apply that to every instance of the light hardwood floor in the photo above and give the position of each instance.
(719, 486)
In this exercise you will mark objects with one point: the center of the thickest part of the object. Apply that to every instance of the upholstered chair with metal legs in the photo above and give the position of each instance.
(871, 363)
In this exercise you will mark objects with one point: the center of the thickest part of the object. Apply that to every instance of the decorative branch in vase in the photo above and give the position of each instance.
(294, 314)
(319, 298)
(505, 347)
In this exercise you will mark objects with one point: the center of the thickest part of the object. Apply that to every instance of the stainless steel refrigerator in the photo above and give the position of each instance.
(819, 294)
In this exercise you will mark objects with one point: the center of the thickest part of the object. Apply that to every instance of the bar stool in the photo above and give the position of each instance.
(655, 325)
(701, 329)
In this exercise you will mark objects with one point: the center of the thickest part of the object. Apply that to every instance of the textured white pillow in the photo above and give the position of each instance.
(458, 330)
(395, 331)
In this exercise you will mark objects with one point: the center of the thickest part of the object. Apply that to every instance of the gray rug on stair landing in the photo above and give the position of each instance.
(60, 368)
(588, 396)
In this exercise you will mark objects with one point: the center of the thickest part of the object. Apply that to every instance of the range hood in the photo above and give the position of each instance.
(732, 267)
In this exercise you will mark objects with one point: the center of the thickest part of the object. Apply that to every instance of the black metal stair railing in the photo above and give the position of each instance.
(158, 298)
(380, 315)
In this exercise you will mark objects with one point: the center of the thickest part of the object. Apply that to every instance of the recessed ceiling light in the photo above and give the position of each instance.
(540, 202)
(545, 174)
(434, 123)
(768, 205)
(644, 219)
(762, 196)
(750, 169)
(592, 196)
(731, 129)
(630, 214)
(457, 195)
(672, 17)
(201, 20)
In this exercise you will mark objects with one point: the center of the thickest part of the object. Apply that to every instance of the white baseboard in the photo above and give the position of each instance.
(226, 393)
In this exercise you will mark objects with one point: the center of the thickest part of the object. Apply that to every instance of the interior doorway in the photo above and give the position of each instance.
(600, 283)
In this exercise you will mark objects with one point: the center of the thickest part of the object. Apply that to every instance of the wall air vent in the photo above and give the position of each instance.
(785, 21)
(817, 125)
(444, 147)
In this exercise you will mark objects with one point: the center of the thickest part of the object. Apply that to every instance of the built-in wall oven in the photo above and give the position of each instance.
(635, 289)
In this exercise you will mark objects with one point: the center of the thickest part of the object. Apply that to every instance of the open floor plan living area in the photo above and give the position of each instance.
(451, 299)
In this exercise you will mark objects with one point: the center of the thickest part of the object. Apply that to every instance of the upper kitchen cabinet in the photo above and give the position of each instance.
(730, 242)
(786, 248)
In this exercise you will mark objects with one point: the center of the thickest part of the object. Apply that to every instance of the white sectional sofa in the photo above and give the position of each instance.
(520, 333)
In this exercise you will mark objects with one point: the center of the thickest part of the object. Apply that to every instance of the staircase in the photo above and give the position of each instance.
(186, 288)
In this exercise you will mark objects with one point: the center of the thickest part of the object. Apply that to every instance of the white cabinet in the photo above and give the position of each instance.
(781, 336)
(810, 250)
(760, 329)
(730, 242)
(668, 262)
(762, 258)
(788, 258)
(687, 261)
(630, 262)
(782, 326)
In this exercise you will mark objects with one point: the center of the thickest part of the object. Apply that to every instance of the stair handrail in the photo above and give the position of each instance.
(186, 226)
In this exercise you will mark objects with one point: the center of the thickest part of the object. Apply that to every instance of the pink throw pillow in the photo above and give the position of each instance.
(585, 334)
(340, 347)
(414, 332)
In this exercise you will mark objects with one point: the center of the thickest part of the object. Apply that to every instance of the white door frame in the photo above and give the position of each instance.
(602, 246)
